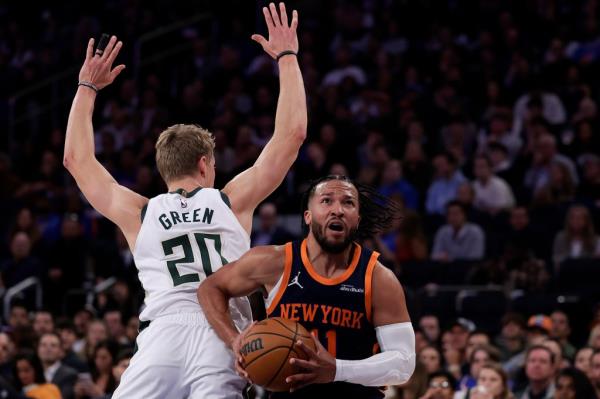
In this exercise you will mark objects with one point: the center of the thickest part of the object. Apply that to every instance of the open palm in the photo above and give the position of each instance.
(282, 36)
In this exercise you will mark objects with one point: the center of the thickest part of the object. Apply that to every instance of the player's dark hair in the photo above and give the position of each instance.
(377, 212)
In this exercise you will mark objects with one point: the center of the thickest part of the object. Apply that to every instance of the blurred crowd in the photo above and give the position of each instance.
(479, 117)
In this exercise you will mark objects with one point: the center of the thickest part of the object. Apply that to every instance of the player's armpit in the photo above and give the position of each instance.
(388, 301)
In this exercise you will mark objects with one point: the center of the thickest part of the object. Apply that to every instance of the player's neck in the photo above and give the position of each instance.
(326, 263)
(188, 183)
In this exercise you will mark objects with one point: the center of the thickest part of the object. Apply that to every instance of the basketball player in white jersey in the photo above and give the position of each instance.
(179, 238)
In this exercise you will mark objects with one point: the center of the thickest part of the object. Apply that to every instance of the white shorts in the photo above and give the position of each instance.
(180, 356)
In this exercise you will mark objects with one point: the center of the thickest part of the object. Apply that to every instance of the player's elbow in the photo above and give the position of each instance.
(299, 132)
(405, 366)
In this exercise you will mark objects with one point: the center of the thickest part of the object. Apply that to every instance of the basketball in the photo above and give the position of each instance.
(267, 349)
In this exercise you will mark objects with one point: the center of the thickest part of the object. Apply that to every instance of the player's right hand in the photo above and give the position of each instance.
(236, 347)
(97, 69)
(281, 35)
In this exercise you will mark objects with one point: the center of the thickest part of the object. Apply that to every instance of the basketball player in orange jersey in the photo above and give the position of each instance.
(332, 286)
(179, 238)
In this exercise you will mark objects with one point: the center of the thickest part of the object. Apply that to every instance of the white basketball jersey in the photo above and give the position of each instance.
(184, 238)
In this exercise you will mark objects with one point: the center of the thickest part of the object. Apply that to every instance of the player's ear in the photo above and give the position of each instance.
(307, 217)
(202, 165)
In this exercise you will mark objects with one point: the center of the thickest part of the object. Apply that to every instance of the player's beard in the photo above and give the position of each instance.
(318, 231)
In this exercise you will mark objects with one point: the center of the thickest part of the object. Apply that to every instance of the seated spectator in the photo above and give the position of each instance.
(50, 353)
(441, 386)
(96, 333)
(393, 182)
(66, 331)
(522, 240)
(476, 339)
(583, 359)
(573, 384)
(498, 131)
(558, 190)
(445, 184)
(416, 167)
(29, 378)
(511, 339)
(578, 239)
(492, 383)
(589, 189)
(43, 322)
(561, 330)
(595, 371)
(103, 381)
(459, 239)
(492, 194)
(430, 325)
(478, 357)
(21, 264)
(545, 154)
(431, 358)
(539, 370)
(268, 231)
(410, 243)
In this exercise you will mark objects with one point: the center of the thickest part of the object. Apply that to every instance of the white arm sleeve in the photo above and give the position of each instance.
(393, 366)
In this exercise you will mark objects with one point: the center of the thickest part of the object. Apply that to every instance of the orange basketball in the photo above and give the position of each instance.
(267, 349)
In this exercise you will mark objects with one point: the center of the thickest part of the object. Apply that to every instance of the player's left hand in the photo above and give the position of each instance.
(97, 68)
(282, 34)
(319, 368)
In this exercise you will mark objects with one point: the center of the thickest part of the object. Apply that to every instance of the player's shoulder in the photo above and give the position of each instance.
(384, 277)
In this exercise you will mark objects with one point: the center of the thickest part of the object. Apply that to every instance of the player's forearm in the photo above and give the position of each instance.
(215, 304)
(393, 366)
(290, 118)
(79, 143)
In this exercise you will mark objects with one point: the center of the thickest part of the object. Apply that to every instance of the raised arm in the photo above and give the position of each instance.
(253, 185)
(117, 203)
(259, 267)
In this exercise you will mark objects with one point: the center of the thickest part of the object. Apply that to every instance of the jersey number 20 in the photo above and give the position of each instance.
(183, 241)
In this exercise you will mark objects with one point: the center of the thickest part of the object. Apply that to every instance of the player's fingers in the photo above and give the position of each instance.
(268, 19)
(109, 47)
(302, 364)
(300, 378)
(283, 15)
(311, 353)
(90, 50)
(294, 20)
(113, 54)
(259, 39)
(274, 15)
(116, 71)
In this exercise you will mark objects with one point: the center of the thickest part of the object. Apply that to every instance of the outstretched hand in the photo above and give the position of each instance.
(319, 368)
(97, 68)
(281, 35)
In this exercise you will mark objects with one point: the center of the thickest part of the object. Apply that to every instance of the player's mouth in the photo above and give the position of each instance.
(337, 227)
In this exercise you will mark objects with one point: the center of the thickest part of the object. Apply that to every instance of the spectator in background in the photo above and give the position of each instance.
(43, 322)
(96, 333)
(492, 194)
(545, 153)
(498, 131)
(578, 238)
(29, 378)
(539, 369)
(561, 330)
(492, 383)
(445, 184)
(594, 374)
(459, 239)
(392, 182)
(511, 340)
(559, 360)
(431, 358)
(50, 353)
(522, 240)
(113, 319)
(66, 331)
(430, 325)
(477, 358)
(416, 167)
(268, 231)
(22, 264)
(440, 386)
(589, 189)
(558, 190)
(573, 384)
(583, 359)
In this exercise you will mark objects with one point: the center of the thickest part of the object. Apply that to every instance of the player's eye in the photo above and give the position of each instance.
(325, 201)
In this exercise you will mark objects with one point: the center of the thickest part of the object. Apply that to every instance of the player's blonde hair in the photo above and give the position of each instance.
(179, 148)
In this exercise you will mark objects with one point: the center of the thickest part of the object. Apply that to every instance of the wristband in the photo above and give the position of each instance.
(88, 84)
(286, 52)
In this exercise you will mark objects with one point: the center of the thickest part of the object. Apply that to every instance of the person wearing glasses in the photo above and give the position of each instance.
(440, 386)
